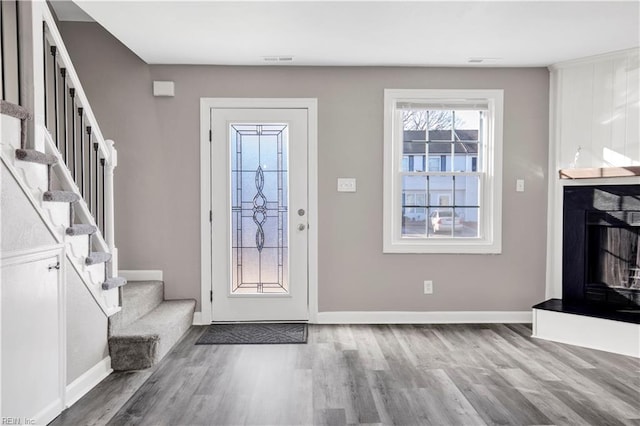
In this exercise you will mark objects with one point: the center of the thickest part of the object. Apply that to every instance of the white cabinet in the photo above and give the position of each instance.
(32, 367)
(597, 104)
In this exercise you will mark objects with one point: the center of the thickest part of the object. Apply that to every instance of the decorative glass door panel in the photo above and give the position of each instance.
(259, 215)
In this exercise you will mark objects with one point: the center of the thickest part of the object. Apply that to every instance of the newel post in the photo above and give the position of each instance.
(110, 206)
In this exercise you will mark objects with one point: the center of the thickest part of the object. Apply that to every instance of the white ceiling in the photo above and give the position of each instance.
(394, 33)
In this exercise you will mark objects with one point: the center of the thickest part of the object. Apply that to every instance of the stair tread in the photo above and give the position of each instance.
(138, 299)
(61, 196)
(147, 340)
(14, 110)
(96, 257)
(160, 320)
(34, 156)
(113, 282)
(81, 229)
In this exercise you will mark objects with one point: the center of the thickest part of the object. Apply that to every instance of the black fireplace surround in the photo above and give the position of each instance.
(600, 253)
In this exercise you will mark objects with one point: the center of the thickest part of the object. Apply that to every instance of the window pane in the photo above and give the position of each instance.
(467, 123)
(413, 150)
(440, 120)
(443, 222)
(470, 219)
(414, 191)
(405, 163)
(414, 119)
(414, 222)
(441, 191)
(465, 152)
(467, 191)
(414, 213)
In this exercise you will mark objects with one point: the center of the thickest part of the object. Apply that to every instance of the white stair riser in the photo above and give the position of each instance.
(10, 132)
(34, 175)
(78, 246)
(96, 272)
(111, 298)
(58, 214)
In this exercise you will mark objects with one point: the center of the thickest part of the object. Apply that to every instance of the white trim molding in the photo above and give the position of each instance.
(87, 381)
(134, 275)
(588, 332)
(206, 104)
(431, 317)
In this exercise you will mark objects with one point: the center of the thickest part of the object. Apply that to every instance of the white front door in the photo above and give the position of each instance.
(259, 214)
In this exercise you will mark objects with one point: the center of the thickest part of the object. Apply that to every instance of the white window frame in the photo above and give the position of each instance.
(490, 225)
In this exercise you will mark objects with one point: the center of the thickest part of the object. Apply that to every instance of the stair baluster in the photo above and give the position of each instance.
(103, 229)
(89, 197)
(72, 95)
(81, 185)
(96, 211)
(63, 74)
(44, 74)
(56, 135)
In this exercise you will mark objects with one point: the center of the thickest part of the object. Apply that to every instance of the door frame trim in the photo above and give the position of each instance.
(206, 263)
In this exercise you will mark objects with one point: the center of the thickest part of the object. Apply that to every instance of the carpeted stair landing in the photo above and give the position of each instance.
(147, 327)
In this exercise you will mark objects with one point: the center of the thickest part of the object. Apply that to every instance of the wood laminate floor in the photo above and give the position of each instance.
(374, 374)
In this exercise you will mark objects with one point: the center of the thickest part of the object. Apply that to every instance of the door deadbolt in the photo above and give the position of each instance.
(300, 212)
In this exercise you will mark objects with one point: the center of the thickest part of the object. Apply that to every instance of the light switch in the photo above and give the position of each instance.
(346, 185)
(519, 185)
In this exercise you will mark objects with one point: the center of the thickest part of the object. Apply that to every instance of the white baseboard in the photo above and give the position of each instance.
(434, 317)
(83, 384)
(197, 319)
(595, 333)
(153, 275)
(44, 417)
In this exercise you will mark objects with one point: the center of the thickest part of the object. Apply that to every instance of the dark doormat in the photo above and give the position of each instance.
(254, 334)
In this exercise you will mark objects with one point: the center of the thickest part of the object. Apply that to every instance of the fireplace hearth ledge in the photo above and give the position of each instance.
(562, 323)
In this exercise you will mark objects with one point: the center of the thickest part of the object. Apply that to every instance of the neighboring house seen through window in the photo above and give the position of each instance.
(443, 155)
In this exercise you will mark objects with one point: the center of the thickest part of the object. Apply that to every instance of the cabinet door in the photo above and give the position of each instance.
(31, 337)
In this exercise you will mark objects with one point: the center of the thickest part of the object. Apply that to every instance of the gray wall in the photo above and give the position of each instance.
(157, 181)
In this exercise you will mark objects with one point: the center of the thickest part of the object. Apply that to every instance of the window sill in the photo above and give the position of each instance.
(448, 247)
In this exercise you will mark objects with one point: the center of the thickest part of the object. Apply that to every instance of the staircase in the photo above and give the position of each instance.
(65, 167)
(147, 327)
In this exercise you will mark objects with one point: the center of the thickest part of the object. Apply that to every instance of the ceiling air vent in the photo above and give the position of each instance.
(277, 58)
(482, 60)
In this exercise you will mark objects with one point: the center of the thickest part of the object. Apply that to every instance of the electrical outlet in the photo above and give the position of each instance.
(428, 287)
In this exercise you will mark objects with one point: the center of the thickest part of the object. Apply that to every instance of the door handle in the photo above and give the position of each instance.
(56, 266)
(302, 227)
